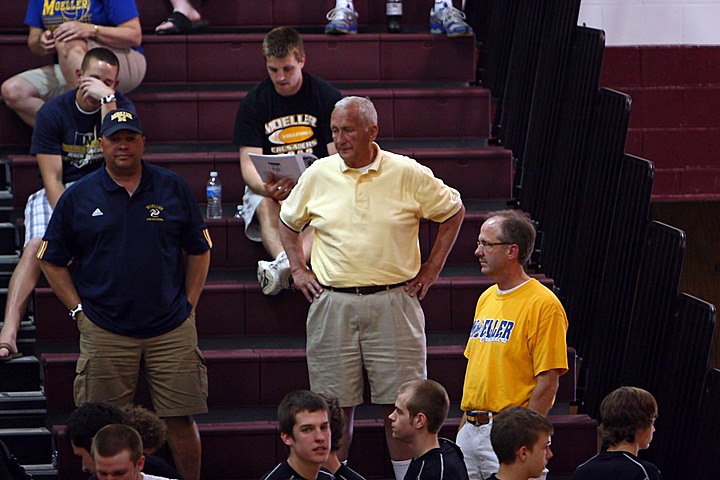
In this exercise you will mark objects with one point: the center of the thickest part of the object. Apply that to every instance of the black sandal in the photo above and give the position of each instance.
(181, 25)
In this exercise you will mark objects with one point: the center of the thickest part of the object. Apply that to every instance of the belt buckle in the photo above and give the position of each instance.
(474, 419)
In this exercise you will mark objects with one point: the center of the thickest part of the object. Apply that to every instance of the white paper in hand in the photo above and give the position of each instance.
(289, 165)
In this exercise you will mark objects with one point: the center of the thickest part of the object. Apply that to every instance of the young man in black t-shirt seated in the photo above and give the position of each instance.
(288, 112)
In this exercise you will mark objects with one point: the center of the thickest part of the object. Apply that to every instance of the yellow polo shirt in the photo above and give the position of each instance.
(366, 224)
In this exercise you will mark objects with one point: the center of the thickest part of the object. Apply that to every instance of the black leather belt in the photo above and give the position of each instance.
(363, 290)
(478, 418)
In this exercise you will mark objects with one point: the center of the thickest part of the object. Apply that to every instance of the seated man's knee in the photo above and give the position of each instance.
(15, 89)
(74, 50)
(268, 209)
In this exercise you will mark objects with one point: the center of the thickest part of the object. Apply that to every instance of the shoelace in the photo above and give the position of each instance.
(342, 12)
(452, 15)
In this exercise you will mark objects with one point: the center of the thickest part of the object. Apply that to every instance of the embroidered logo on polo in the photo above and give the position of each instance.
(492, 330)
(97, 213)
(154, 212)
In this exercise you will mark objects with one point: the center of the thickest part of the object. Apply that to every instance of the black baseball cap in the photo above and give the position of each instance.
(117, 120)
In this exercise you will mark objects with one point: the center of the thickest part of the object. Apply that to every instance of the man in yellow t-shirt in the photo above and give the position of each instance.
(517, 349)
(366, 278)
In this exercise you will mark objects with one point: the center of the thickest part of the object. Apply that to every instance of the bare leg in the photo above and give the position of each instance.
(23, 97)
(186, 8)
(23, 281)
(70, 55)
(268, 215)
(342, 454)
(184, 441)
(398, 450)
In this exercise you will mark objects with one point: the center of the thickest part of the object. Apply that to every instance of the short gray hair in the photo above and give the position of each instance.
(365, 107)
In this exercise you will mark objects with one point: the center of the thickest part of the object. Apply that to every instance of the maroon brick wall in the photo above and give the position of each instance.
(675, 120)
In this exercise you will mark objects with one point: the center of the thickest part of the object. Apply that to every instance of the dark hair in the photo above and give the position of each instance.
(84, 423)
(295, 402)
(152, 429)
(281, 42)
(113, 439)
(514, 428)
(517, 228)
(624, 412)
(102, 54)
(337, 421)
(427, 397)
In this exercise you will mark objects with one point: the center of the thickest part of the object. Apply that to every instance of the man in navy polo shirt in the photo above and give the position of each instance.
(141, 249)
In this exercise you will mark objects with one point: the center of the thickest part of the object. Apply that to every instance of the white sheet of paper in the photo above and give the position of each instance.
(285, 165)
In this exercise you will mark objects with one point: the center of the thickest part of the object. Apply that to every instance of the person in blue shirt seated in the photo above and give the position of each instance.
(68, 30)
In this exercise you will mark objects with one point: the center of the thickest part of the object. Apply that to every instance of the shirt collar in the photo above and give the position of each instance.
(110, 185)
(374, 166)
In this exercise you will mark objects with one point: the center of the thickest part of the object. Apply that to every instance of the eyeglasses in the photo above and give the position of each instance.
(487, 245)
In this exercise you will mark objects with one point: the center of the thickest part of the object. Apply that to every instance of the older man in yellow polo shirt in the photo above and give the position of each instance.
(366, 278)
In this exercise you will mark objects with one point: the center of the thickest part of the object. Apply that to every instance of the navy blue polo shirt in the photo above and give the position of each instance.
(129, 250)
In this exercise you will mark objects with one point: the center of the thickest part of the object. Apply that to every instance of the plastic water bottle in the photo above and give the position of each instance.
(393, 11)
(214, 196)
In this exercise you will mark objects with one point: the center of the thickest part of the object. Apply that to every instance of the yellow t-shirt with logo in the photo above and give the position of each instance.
(515, 336)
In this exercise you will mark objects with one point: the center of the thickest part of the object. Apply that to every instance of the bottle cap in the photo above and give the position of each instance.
(213, 174)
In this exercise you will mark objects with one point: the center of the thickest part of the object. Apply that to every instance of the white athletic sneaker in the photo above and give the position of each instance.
(342, 21)
(274, 276)
(450, 21)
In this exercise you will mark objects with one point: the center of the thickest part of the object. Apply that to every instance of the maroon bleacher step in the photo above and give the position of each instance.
(244, 378)
(300, 13)
(248, 378)
(478, 173)
(403, 113)
(240, 309)
(232, 249)
(237, 58)
(209, 116)
(234, 308)
(243, 14)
